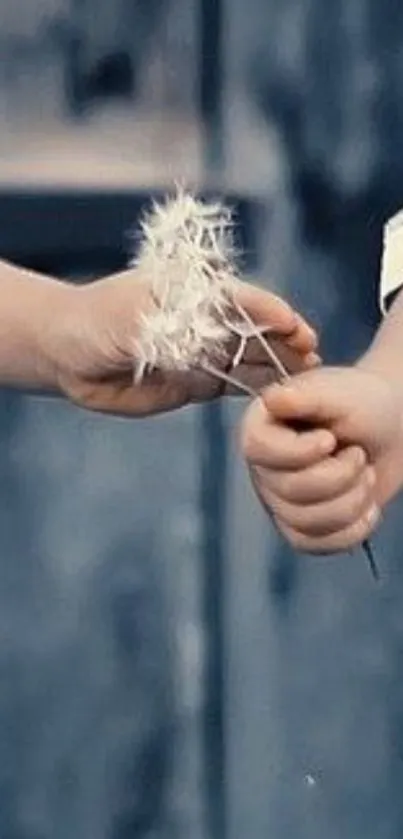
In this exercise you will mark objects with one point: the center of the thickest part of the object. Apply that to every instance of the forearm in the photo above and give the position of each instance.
(32, 309)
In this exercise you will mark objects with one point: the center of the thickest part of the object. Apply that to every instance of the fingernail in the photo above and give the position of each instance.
(373, 515)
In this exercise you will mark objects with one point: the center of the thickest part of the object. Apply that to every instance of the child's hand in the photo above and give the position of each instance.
(325, 486)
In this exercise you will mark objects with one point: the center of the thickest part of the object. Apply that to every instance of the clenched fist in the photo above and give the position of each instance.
(325, 453)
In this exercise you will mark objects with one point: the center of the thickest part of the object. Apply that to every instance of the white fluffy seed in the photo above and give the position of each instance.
(187, 254)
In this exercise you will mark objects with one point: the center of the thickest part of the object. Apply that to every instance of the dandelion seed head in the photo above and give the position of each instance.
(187, 254)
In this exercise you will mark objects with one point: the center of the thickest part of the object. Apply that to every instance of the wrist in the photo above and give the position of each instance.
(95, 329)
(54, 305)
(383, 357)
(379, 364)
(390, 463)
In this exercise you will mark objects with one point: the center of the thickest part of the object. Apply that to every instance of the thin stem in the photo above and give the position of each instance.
(369, 554)
(281, 370)
(230, 380)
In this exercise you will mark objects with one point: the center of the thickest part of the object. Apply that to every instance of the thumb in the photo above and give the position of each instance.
(321, 397)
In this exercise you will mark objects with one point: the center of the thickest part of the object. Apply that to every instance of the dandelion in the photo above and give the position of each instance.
(187, 253)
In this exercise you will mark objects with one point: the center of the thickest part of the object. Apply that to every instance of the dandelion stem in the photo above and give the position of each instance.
(282, 371)
(230, 380)
(369, 554)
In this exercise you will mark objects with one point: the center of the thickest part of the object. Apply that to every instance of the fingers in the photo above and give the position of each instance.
(268, 444)
(327, 479)
(322, 500)
(293, 360)
(289, 336)
(304, 338)
(265, 308)
(255, 376)
(296, 401)
(341, 540)
(324, 518)
(323, 396)
(324, 509)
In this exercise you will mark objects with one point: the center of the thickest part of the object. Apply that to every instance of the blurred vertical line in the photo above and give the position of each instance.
(211, 86)
(214, 452)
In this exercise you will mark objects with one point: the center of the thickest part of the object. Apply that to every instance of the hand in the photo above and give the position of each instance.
(325, 485)
(95, 352)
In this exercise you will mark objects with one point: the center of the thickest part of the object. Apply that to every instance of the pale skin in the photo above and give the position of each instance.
(324, 487)
(78, 342)
(325, 484)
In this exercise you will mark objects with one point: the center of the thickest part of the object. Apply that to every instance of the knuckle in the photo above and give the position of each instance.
(286, 486)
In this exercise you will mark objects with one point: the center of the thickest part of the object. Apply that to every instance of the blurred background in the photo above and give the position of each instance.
(168, 668)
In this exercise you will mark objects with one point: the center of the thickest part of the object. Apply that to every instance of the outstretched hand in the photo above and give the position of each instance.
(96, 351)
